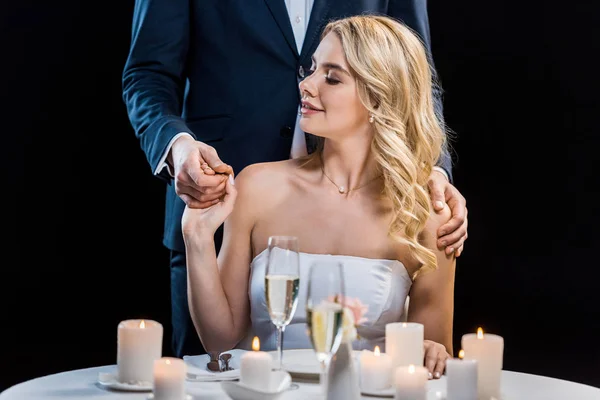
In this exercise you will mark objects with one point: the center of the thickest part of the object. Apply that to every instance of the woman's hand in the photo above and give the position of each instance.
(203, 222)
(435, 358)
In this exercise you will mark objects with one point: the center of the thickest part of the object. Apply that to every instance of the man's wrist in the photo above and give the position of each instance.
(177, 140)
(442, 171)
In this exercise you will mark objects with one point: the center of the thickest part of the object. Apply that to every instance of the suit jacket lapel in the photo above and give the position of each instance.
(318, 19)
(280, 13)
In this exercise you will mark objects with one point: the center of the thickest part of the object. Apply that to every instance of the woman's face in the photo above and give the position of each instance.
(330, 104)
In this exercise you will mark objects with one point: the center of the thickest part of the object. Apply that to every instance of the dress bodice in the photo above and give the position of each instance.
(381, 284)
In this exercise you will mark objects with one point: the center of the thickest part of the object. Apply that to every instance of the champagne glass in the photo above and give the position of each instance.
(324, 311)
(282, 279)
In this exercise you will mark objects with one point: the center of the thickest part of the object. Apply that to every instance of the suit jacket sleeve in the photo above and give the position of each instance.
(153, 80)
(414, 14)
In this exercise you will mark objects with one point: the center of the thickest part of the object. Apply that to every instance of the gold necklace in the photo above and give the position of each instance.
(342, 189)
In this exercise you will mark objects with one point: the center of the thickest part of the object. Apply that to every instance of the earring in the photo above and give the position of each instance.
(371, 119)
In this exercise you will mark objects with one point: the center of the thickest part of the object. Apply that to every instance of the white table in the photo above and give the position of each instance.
(81, 384)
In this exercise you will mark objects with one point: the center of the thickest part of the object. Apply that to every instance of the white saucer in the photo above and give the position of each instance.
(388, 392)
(109, 380)
(187, 397)
(303, 363)
(280, 382)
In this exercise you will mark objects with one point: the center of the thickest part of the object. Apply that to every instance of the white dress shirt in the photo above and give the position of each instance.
(299, 13)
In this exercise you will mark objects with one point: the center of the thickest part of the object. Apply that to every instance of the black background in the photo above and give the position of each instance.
(83, 215)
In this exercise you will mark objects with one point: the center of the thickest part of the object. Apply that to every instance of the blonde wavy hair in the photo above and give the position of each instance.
(395, 83)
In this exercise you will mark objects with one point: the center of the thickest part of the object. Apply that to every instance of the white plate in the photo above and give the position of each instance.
(110, 381)
(280, 382)
(303, 362)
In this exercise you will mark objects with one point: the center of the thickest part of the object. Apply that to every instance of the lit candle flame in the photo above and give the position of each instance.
(377, 352)
(168, 362)
(461, 354)
(142, 324)
(256, 344)
(479, 333)
(404, 324)
(411, 369)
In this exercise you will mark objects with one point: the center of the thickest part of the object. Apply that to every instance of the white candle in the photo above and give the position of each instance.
(169, 379)
(404, 343)
(410, 383)
(461, 379)
(139, 344)
(375, 370)
(255, 367)
(488, 350)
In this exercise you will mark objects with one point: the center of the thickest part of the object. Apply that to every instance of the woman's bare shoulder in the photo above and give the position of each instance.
(272, 178)
(265, 173)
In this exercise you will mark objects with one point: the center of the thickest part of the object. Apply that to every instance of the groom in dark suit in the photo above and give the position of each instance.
(212, 80)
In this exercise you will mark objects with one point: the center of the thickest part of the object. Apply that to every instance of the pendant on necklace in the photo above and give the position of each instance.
(342, 189)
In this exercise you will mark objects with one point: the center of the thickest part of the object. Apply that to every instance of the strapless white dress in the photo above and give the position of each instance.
(383, 285)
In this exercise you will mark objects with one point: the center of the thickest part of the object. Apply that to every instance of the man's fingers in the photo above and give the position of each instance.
(459, 216)
(197, 178)
(224, 169)
(459, 251)
(207, 181)
(201, 195)
(210, 156)
(215, 189)
(455, 246)
(449, 228)
(436, 191)
(207, 169)
(454, 239)
(188, 191)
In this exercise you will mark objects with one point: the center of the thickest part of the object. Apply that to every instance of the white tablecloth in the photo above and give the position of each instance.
(82, 384)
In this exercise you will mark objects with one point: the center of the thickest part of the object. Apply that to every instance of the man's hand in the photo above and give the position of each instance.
(199, 224)
(451, 235)
(200, 176)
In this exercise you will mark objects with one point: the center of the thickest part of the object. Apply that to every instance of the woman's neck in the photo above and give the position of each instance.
(349, 163)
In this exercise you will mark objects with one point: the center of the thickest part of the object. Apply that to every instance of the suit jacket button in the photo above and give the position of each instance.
(286, 132)
(301, 73)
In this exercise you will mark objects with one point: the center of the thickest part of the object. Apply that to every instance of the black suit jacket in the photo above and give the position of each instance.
(226, 71)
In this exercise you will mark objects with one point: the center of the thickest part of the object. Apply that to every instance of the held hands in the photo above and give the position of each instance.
(451, 235)
(203, 222)
(435, 358)
(199, 175)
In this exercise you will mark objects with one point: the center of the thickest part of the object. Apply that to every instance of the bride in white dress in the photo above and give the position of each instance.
(361, 199)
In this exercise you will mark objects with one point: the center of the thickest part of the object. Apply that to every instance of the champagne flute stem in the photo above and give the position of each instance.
(324, 373)
(280, 330)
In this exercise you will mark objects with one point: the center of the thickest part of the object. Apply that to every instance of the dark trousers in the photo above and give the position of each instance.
(185, 339)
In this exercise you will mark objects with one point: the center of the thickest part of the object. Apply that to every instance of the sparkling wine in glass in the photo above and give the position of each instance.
(324, 311)
(282, 280)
